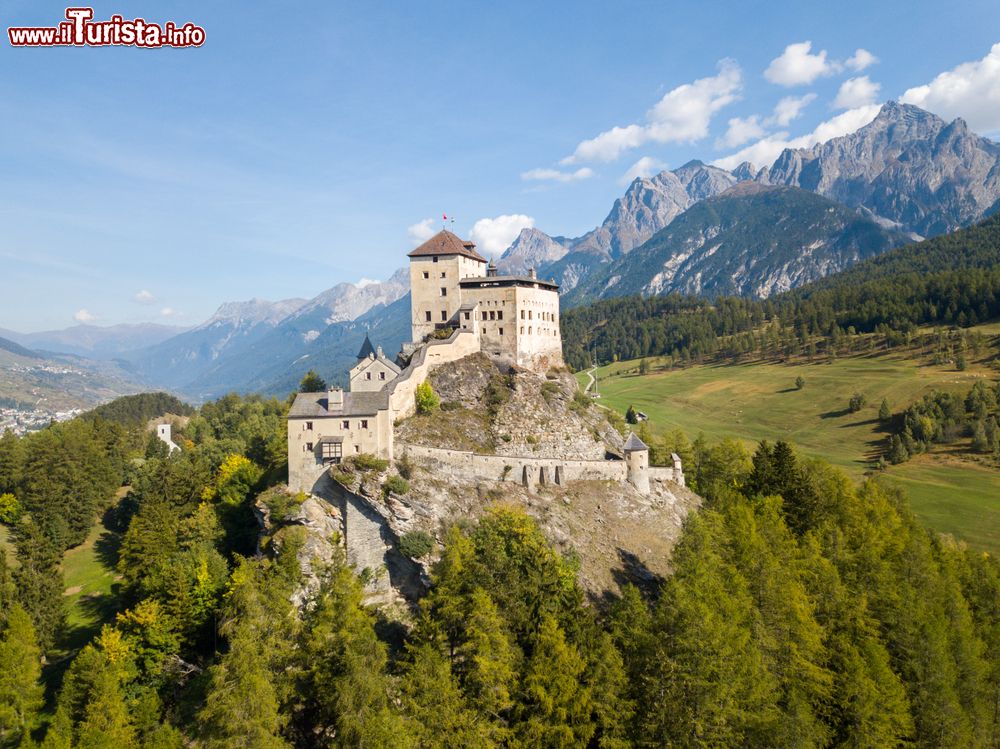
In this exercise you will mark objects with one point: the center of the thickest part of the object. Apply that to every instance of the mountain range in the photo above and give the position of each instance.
(697, 229)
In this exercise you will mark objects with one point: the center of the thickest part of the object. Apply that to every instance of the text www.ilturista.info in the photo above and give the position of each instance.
(80, 30)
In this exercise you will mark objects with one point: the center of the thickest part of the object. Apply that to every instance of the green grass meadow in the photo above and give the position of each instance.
(757, 401)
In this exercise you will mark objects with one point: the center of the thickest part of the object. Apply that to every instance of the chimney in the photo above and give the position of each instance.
(335, 399)
(532, 273)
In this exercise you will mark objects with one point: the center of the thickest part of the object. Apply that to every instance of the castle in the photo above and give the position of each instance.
(460, 305)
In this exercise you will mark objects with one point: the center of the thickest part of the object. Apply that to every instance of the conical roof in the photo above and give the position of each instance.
(366, 349)
(633, 443)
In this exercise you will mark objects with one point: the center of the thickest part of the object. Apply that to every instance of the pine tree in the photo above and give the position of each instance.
(431, 697)
(347, 679)
(20, 670)
(38, 579)
(554, 707)
(487, 659)
(884, 413)
(312, 383)
(241, 708)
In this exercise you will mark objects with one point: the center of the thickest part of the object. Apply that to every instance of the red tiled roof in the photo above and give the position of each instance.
(446, 243)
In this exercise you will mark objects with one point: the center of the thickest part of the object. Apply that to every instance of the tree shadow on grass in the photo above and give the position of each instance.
(835, 414)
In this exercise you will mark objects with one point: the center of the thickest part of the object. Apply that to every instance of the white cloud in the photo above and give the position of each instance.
(797, 65)
(84, 316)
(740, 130)
(421, 231)
(145, 296)
(856, 92)
(789, 108)
(970, 91)
(860, 60)
(555, 175)
(169, 312)
(647, 166)
(766, 150)
(494, 235)
(366, 282)
(682, 115)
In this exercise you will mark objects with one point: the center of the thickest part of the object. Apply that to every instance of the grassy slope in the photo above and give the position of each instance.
(759, 401)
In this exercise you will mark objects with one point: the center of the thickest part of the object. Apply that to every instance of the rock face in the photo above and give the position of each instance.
(648, 205)
(907, 166)
(753, 240)
(510, 413)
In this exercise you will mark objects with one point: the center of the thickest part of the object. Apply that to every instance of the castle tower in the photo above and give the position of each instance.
(436, 267)
(637, 463)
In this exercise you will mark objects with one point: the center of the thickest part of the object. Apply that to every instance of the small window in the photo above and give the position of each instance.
(466, 315)
(443, 274)
(484, 314)
(434, 259)
(444, 315)
(444, 291)
(368, 375)
(501, 330)
(428, 315)
(522, 314)
(529, 330)
(364, 423)
(522, 330)
(381, 375)
(357, 448)
(309, 447)
(531, 314)
(308, 426)
(493, 315)
(500, 315)
(345, 424)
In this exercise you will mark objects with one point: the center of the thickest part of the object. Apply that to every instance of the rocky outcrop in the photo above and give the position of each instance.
(907, 166)
(753, 240)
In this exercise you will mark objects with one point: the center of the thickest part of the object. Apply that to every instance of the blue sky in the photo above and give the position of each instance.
(297, 150)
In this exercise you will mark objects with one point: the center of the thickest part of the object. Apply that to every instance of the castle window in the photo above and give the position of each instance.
(529, 330)
(501, 330)
(345, 424)
(381, 375)
(428, 315)
(522, 330)
(531, 314)
(500, 315)
(484, 314)
(309, 426)
(443, 274)
(368, 375)
(332, 452)
(493, 315)
(364, 423)
(309, 447)
(444, 315)
(522, 315)
(426, 274)
(466, 315)
(434, 259)
(444, 291)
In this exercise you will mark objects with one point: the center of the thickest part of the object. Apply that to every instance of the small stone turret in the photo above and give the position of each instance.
(637, 463)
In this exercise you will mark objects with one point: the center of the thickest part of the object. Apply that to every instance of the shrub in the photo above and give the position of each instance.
(631, 416)
(405, 466)
(426, 398)
(342, 477)
(369, 462)
(550, 389)
(506, 437)
(800, 382)
(857, 402)
(416, 544)
(396, 485)
(451, 405)
(497, 393)
(531, 439)
(581, 400)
